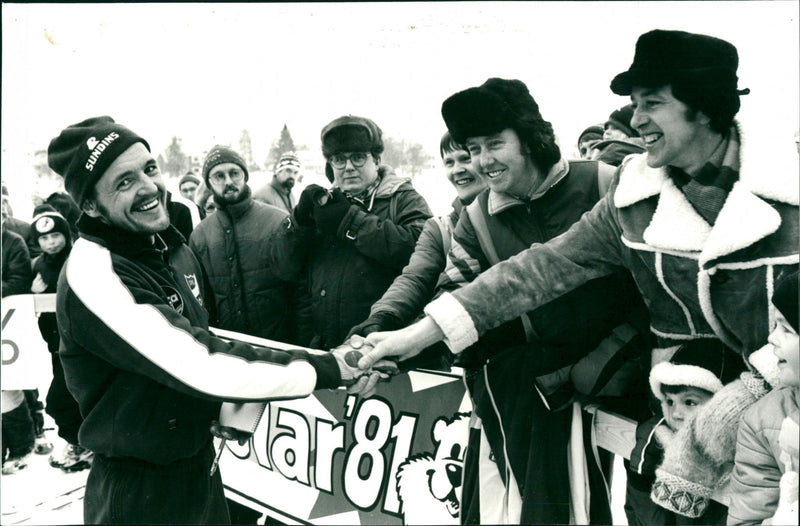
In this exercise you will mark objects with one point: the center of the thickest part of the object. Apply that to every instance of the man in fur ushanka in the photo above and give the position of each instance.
(704, 223)
(146, 372)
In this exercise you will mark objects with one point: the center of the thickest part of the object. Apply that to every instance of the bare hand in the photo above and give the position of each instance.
(402, 344)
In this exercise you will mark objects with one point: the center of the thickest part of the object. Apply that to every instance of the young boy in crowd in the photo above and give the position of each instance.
(764, 485)
(52, 232)
(696, 371)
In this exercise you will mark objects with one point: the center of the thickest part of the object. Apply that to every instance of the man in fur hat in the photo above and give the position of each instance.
(353, 239)
(137, 354)
(705, 226)
(534, 195)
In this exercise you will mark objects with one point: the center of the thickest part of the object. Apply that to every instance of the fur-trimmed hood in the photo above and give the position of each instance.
(745, 218)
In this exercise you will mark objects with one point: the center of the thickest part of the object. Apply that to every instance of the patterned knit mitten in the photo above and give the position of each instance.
(700, 457)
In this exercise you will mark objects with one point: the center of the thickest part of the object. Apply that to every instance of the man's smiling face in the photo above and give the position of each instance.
(131, 194)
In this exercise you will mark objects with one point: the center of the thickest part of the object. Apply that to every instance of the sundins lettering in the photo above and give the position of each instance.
(99, 149)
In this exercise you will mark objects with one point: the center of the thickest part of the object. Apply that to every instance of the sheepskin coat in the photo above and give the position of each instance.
(697, 280)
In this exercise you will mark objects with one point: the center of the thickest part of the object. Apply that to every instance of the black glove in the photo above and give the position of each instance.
(304, 210)
(330, 214)
(364, 328)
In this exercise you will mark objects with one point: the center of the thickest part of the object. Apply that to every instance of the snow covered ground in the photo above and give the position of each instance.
(41, 494)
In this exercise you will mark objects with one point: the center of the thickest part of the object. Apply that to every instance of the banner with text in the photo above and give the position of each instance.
(334, 458)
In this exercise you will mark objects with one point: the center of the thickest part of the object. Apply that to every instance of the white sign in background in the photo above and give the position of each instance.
(25, 358)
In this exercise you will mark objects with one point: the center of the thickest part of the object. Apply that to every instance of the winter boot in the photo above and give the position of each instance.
(73, 458)
(41, 445)
(14, 464)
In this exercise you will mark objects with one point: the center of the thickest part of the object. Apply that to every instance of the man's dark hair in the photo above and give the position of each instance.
(540, 140)
(718, 103)
(448, 144)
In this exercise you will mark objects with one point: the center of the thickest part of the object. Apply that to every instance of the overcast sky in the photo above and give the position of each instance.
(205, 72)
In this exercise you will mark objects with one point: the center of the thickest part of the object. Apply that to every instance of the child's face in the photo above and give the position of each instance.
(787, 349)
(52, 243)
(678, 407)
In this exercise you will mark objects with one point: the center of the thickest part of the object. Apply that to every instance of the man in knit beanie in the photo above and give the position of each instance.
(135, 340)
(619, 139)
(588, 138)
(706, 223)
(188, 185)
(278, 192)
(250, 296)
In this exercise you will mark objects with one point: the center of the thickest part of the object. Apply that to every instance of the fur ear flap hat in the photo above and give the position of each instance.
(490, 108)
(705, 364)
(83, 152)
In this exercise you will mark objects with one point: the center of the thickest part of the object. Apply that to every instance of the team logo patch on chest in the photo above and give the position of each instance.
(191, 281)
(174, 299)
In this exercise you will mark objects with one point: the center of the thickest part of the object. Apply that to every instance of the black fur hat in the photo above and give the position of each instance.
(664, 57)
(490, 108)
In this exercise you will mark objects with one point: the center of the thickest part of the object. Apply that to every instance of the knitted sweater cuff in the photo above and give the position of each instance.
(680, 495)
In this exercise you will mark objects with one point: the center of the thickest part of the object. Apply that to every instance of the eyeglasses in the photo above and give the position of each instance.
(219, 177)
(339, 160)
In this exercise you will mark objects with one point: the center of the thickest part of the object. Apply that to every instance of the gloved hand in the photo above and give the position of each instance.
(700, 457)
(304, 210)
(364, 328)
(229, 433)
(328, 216)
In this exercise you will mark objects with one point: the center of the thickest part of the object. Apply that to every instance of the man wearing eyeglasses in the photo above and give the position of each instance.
(353, 239)
(249, 294)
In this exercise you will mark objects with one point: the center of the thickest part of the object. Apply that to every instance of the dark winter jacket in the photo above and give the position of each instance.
(698, 281)
(17, 275)
(276, 195)
(403, 302)
(347, 272)
(23, 228)
(613, 151)
(233, 247)
(49, 267)
(574, 323)
(755, 484)
(138, 357)
(528, 441)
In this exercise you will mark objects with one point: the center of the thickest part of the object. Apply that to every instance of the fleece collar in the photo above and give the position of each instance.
(499, 201)
(745, 218)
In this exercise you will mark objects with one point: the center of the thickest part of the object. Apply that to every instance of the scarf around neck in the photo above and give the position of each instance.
(708, 190)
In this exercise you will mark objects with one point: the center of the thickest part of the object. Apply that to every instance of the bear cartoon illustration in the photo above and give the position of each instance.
(429, 485)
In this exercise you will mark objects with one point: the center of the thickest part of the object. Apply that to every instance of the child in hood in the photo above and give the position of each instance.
(696, 371)
(764, 485)
(52, 232)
